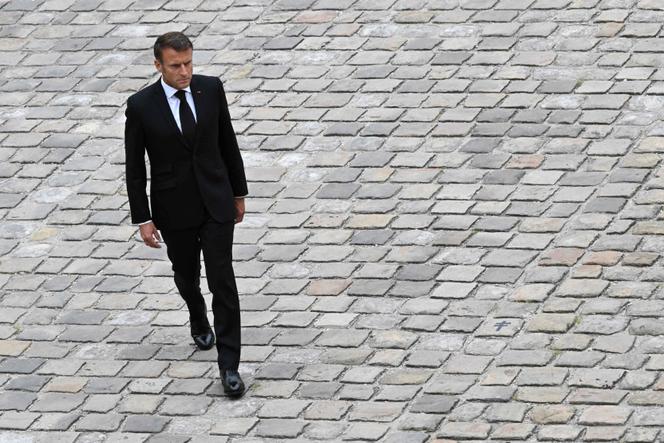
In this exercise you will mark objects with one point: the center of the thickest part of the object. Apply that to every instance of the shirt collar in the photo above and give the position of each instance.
(170, 91)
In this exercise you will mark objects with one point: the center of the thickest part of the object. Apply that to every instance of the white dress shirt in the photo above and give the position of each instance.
(174, 102)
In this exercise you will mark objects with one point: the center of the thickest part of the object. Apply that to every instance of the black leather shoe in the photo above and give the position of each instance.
(202, 334)
(204, 340)
(232, 383)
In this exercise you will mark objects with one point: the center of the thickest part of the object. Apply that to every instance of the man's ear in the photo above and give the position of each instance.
(157, 64)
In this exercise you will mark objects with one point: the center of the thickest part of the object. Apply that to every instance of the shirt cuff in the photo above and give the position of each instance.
(241, 196)
(144, 223)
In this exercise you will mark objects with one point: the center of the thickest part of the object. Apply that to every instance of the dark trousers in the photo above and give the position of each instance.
(184, 250)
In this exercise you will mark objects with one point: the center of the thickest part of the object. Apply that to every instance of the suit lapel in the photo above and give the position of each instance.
(162, 104)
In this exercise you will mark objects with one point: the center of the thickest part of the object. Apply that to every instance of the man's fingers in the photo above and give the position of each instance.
(154, 239)
(153, 243)
(150, 235)
(239, 210)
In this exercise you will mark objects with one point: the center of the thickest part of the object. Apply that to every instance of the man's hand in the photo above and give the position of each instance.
(150, 235)
(239, 209)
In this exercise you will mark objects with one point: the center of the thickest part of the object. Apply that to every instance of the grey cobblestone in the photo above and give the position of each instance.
(452, 228)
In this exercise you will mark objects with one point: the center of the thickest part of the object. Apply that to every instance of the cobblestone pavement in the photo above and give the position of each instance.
(453, 232)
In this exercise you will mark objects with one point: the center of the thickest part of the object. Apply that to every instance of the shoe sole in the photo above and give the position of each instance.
(231, 393)
(203, 348)
(234, 394)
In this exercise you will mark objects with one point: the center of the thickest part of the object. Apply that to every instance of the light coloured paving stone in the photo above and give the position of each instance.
(279, 428)
(500, 376)
(541, 394)
(17, 420)
(559, 433)
(582, 288)
(13, 347)
(140, 404)
(234, 426)
(467, 364)
(513, 431)
(465, 430)
(184, 405)
(597, 396)
(547, 414)
(281, 389)
(604, 415)
(467, 412)
(601, 324)
(499, 327)
(375, 411)
(326, 410)
(282, 408)
(365, 431)
(99, 422)
(541, 376)
(598, 378)
(551, 323)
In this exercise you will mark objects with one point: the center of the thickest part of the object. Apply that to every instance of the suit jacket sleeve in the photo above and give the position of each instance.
(229, 148)
(135, 166)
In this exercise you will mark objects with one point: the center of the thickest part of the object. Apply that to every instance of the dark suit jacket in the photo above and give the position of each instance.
(184, 179)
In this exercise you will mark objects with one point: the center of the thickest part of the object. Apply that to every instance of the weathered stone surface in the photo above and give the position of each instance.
(452, 230)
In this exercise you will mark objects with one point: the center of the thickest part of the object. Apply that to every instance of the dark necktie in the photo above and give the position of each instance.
(187, 121)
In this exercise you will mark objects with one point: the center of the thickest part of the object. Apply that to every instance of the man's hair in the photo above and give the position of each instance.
(174, 40)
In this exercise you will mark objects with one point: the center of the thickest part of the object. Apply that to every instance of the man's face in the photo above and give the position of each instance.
(176, 67)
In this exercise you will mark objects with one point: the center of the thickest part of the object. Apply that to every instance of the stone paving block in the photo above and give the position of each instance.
(604, 415)
(375, 411)
(20, 365)
(497, 181)
(65, 384)
(144, 424)
(56, 402)
(99, 422)
(16, 401)
(465, 430)
(32, 383)
(397, 393)
(279, 428)
(281, 389)
(184, 405)
(17, 420)
(365, 431)
(319, 390)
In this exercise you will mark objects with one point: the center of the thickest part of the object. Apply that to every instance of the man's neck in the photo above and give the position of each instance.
(164, 82)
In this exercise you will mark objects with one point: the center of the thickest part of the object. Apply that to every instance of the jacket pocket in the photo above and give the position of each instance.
(162, 177)
(162, 183)
(161, 169)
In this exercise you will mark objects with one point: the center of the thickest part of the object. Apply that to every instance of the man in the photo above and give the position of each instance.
(197, 191)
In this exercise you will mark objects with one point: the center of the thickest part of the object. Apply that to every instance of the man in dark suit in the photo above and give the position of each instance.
(197, 191)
